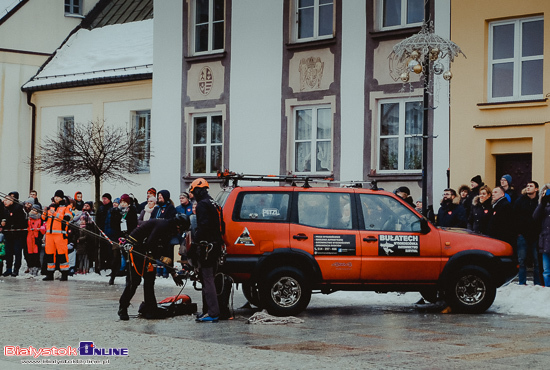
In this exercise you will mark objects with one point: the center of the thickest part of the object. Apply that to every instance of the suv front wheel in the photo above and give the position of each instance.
(470, 290)
(285, 292)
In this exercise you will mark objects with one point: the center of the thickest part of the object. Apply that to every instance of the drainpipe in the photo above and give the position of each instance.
(33, 138)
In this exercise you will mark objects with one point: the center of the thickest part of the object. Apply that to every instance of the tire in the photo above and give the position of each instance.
(285, 292)
(250, 292)
(470, 290)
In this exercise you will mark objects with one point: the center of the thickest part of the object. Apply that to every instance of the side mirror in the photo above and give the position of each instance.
(424, 226)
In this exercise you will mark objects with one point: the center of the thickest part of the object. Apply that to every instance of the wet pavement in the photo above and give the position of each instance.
(355, 336)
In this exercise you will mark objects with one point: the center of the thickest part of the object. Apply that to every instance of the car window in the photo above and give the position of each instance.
(264, 206)
(382, 212)
(325, 210)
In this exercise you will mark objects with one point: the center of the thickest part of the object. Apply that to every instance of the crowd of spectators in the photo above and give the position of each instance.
(90, 236)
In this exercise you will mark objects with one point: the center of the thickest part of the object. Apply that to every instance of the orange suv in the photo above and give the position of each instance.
(283, 242)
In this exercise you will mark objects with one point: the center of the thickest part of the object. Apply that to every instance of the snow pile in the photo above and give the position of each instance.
(106, 52)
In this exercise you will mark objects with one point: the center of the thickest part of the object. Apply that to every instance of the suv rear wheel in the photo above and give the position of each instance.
(470, 290)
(285, 292)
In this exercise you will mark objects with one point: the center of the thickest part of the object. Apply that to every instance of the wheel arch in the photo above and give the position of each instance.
(479, 258)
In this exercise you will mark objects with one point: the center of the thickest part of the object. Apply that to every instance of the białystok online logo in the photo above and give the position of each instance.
(84, 349)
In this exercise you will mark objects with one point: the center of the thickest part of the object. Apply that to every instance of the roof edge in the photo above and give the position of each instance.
(90, 82)
(13, 11)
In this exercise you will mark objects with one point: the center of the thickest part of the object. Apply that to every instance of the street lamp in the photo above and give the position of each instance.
(423, 54)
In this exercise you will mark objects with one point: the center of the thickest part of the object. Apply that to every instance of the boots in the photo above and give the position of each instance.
(64, 275)
(49, 276)
(112, 279)
(1, 267)
(123, 313)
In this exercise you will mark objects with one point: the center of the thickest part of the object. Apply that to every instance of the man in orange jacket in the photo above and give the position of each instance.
(57, 217)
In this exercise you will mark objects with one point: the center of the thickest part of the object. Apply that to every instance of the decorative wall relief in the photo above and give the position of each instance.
(311, 73)
(206, 80)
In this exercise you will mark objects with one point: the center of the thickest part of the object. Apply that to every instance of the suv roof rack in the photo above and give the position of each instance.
(228, 176)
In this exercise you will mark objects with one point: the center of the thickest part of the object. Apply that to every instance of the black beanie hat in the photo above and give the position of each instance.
(14, 194)
(59, 193)
(108, 196)
(477, 179)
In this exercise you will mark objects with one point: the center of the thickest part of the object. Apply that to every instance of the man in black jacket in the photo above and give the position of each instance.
(501, 224)
(528, 231)
(103, 222)
(13, 218)
(152, 239)
(451, 214)
(208, 245)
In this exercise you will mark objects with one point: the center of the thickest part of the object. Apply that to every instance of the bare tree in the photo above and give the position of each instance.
(94, 150)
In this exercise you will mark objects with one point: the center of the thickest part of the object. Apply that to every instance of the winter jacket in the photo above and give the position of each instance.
(451, 215)
(469, 201)
(501, 224)
(34, 235)
(480, 214)
(166, 211)
(101, 215)
(16, 219)
(542, 217)
(525, 224)
(129, 214)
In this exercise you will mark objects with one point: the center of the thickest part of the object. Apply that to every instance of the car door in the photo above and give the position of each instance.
(324, 225)
(393, 248)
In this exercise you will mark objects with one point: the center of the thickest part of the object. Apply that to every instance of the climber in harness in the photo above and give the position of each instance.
(148, 243)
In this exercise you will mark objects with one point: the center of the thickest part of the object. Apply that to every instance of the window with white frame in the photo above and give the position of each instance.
(142, 128)
(516, 55)
(312, 144)
(73, 7)
(400, 13)
(208, 26)
(400, 136)
(66, 126)
(314, 19)
(207, 144)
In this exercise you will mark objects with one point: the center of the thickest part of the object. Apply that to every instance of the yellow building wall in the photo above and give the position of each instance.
(480, 132)
(91, 104)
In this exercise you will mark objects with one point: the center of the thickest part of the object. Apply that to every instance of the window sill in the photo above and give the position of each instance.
(513, 104)
(311, 44)
(71, 15)
(395, 33)
(205, 57)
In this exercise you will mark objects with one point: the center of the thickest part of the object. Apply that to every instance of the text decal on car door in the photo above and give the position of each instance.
(399, 245)
(334, 244)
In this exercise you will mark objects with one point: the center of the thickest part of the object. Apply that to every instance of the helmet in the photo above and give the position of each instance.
(198, 183)
(182, 220)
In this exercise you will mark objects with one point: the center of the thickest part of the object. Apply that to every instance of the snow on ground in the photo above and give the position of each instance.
(512, 299)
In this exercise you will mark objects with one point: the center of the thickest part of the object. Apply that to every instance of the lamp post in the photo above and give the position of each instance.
(423, 54)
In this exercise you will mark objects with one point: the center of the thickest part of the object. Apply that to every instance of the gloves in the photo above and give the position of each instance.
(178, 279)
(166, 261)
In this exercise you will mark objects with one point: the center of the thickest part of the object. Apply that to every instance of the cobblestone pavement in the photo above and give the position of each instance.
(356, 336)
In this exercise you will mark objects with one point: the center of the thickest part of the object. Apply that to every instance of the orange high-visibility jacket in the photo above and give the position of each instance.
(54, 219)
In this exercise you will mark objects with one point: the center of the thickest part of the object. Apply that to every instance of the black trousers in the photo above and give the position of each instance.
(133, 279)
